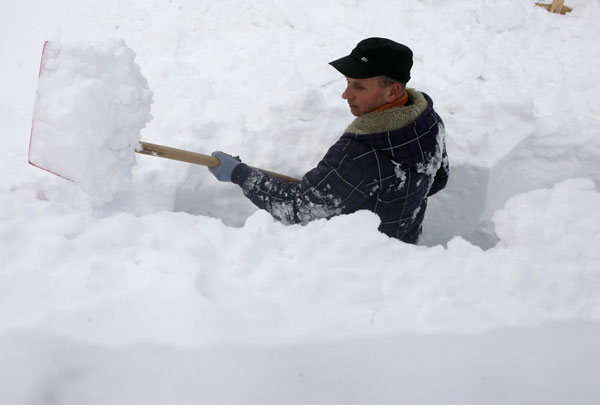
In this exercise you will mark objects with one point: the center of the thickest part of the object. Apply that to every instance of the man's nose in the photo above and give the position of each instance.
(346, 95)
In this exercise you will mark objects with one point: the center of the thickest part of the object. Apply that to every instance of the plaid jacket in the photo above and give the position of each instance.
(387, 162)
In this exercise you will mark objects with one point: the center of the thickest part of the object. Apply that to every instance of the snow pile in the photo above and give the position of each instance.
(555, 364)
(519, 102)
(192, 281)
(92, 102)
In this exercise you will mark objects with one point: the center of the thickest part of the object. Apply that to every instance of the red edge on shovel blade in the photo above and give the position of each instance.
(32, 121)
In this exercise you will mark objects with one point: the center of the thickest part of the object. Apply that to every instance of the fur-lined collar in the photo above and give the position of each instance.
(390, 119)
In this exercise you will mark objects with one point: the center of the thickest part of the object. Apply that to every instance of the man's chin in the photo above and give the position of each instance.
(355, 111)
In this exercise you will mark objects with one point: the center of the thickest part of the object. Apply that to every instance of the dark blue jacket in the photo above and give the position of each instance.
(387, 162)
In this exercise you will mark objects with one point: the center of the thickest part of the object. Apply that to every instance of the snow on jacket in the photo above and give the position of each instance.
(387, 162)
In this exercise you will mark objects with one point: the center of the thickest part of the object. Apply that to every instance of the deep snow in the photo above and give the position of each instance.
(500, 304)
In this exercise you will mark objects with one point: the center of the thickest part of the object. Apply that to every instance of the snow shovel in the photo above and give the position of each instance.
(58, 148)
(197, 158)
(151, 149)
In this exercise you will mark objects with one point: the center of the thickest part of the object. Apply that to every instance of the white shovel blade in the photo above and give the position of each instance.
(90, 106)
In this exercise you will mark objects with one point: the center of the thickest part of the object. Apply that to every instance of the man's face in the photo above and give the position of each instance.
(365, 95)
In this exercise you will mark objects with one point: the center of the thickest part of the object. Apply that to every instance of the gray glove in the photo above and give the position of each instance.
(223, 171)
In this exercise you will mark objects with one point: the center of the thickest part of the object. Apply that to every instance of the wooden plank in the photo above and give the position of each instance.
(557, 6)
(563, 9)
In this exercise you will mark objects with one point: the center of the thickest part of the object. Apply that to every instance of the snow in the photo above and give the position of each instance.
(91, 105)
(170, 287)
(401, 369)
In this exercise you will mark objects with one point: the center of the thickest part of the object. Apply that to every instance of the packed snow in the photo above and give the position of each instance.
(145, 280)
(91, 105)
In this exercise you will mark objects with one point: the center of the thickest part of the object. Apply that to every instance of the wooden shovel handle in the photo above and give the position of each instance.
(177, 154)
(196, 158)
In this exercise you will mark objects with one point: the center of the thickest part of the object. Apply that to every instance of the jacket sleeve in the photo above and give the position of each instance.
(331, 188)
(441, 176)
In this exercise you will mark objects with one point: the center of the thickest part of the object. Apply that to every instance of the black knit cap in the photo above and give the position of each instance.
(377, 57)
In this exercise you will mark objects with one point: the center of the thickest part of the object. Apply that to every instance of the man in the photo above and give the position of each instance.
(389, 160)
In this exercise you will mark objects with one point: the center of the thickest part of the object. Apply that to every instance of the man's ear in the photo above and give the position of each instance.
(394, 92)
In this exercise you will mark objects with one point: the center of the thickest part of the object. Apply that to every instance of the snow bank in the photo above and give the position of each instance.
(91, 104)
(517, 94)
(190, 280)
(555, 364)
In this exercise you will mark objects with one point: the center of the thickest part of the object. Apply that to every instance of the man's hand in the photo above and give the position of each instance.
(223, 171)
